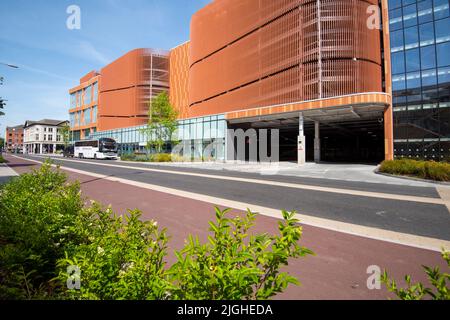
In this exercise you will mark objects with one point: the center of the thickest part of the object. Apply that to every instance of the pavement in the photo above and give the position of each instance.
(341, 172)
(6, 173)
(338, 271)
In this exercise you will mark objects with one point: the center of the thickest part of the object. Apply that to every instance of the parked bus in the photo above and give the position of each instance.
(103, 148)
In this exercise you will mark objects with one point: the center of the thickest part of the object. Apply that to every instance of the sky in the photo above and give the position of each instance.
(52, 58)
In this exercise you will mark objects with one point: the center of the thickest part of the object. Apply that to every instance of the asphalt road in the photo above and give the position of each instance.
(417, 218)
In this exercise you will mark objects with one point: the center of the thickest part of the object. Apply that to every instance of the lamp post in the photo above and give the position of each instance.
(9, 65)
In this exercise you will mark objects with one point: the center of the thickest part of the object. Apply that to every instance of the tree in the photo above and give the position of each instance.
(2, 105)
(162, 122)
(65, 134)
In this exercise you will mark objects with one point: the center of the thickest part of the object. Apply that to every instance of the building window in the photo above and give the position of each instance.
(73, 100)
(410, 15)
(443, 54)
(87, 116)
(398, 62)
(428, 57)
(442, 30)
(397, 41)
(412, 60)
(58, 138)
(411, 38)
(36, 137)
(50, 137)
(425, 11)
(441, 9)
(95, 91)
(94, 114)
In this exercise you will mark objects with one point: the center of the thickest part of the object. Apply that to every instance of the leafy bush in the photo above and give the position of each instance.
(2, 160)
(439, 171)
(234, 265)
(418, 291)
(122, 259)
(161, 157)
(37, 212)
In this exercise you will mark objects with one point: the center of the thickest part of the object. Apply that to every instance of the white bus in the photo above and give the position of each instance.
(103, 148)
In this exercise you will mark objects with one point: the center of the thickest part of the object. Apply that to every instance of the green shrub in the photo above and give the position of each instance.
(122, 259)
(439, 171)
(418, 291)
(2, 160)
(161, 157)
(128, 157)
(235, 265)
(37, 213)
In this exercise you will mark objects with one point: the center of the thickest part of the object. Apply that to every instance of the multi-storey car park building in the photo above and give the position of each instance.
(263, 64)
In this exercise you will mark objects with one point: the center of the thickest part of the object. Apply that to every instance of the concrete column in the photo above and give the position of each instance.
(388, 133)
(40, 148)
(54, 148)
(316, 141)
(301, 142)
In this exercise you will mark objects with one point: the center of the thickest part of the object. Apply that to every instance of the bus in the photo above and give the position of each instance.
(103, 148)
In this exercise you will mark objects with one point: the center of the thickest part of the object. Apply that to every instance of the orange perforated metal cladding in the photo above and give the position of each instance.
(253, 53)
(127, 86)
(179, 79)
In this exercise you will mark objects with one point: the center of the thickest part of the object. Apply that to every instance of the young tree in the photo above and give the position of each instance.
(162, 122)
(65, 134)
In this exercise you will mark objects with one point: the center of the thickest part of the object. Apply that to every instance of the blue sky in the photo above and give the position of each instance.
(52, 58)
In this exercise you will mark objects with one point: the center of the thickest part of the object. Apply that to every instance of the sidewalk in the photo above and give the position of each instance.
(333, 171)
(6, 173)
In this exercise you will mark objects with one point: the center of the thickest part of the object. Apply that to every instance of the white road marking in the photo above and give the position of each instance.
(328, 224)
(275, 183)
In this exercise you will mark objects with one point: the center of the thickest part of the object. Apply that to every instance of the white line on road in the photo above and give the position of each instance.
(274, 183)
(343, 227)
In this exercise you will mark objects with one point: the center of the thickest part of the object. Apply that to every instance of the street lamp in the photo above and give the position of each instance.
(9, 65)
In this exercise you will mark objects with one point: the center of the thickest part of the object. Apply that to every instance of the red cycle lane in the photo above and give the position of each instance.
(337, 271)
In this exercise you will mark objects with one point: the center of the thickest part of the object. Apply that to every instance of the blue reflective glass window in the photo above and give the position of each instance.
(395, 19)
(398, 83)
(407, 2)
(411, 38)
(398, 62)
(441, 9)
(413, 80)
(443, 54)
(425, 11)
(428, 57)
(397, 41)
(426, 32)
(442, 28)
(410, 15)
(412, 58)
(395, 4)
(444, 75)
(429, 77)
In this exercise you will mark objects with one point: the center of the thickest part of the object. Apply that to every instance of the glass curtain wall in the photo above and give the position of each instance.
(420, 52)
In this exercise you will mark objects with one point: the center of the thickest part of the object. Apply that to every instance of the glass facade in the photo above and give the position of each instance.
(199, 132)
(420, 53)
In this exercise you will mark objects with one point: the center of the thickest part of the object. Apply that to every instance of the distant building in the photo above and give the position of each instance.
(43, 137)
(14, 139)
